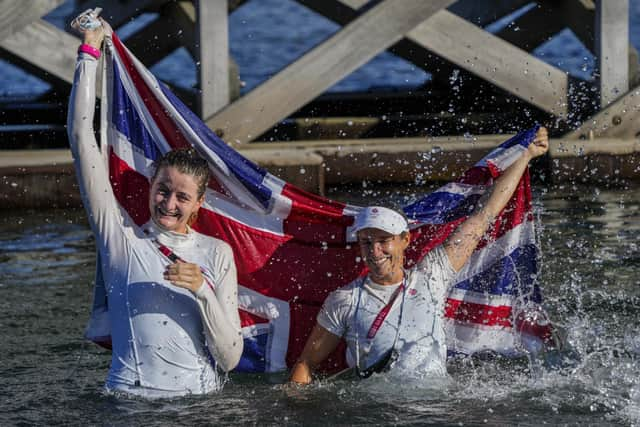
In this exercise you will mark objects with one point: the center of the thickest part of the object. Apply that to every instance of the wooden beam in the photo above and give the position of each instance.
(375, 30)
(14, 16)
(612, 48)
(344, 11)
(45, 46)
(474, 50)
(480, 12)
(602, 161)
(184, 16)
(580, 17)
(620, 119)
(51, 50)
(212, 59)
(175, 28)
(59, 84)
(494, 60)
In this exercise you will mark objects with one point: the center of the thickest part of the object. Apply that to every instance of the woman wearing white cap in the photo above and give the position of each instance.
(393, 316)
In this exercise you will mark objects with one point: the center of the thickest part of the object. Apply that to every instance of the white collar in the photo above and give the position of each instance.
(171, 239)
(386, 288)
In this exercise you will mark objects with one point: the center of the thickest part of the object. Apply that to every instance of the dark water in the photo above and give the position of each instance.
(590, 276)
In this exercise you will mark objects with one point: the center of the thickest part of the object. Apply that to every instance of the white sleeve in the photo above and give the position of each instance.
(219, 310)
(333, 316)
(441, 272)
(91, 169)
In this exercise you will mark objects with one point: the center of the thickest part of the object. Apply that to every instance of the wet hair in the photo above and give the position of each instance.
(188, 162)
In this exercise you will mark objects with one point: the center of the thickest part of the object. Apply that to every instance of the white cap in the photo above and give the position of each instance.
(384, 219)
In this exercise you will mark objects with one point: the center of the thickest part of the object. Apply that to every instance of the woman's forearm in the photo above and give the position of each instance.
(219, 311)
(462, 242)
(222, 331)
(91, 169)
(503, 189)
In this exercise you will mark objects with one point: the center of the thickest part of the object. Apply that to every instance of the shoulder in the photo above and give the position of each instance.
(436, 261)
(214, 253)
(435, 272)
(213, 244)
(336, 311)
(344, 295)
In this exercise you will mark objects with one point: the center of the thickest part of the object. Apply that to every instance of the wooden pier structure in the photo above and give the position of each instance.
(313, 139)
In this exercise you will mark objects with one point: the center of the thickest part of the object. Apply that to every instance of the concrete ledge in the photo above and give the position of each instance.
(375, 142)
(10, 159)
(395, 160)
(578, 147)
(38, 178)
(302, 168)
(45, 178)
(598, 161)
(402, 162)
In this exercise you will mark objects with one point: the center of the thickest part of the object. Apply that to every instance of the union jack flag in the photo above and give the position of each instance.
(292, 248)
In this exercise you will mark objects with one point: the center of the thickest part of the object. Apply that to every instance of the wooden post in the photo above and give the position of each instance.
(612, 48)
(212, 45)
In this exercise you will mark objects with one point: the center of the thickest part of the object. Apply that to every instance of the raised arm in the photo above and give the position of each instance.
(91, 169)
(319, 346)
(462, 242)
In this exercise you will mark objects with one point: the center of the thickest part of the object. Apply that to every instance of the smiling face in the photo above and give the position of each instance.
(173, 199)
(384, 254)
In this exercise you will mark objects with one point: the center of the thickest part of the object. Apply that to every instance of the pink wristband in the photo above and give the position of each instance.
(85, 48)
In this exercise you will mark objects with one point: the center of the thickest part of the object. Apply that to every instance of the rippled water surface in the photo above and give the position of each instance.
(591, 280)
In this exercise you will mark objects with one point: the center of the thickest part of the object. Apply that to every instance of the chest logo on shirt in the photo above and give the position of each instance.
(412, 292)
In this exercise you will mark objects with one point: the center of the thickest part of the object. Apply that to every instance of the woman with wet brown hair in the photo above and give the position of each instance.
(172, 293)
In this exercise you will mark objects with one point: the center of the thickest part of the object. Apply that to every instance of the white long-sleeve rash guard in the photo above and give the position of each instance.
(160, 333)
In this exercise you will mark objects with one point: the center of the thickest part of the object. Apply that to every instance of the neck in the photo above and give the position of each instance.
(392, 279)
(184, 230)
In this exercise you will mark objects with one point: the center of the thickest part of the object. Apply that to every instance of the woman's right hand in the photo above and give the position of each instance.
(540, 143)
(95, 37)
